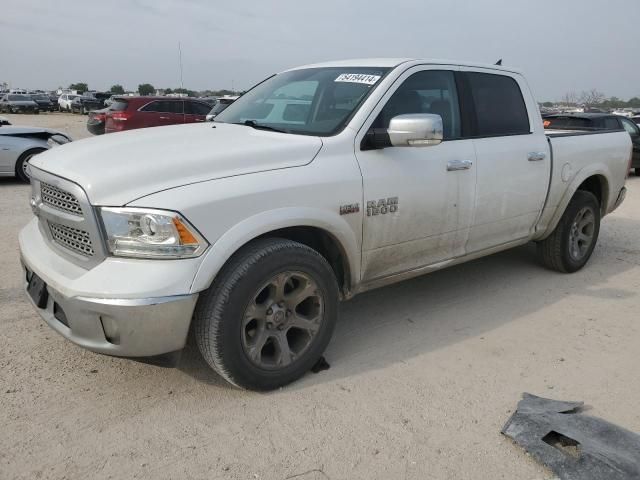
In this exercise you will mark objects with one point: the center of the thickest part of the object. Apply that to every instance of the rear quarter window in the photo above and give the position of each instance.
(499, 105)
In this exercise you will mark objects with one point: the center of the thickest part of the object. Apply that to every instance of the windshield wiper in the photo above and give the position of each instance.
(258, 126)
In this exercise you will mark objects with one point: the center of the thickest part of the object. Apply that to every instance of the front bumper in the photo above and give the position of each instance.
(122, 307)
(23, 109)
(123, 327)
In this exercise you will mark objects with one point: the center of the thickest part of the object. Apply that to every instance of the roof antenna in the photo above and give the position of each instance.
(180, 57)
(499, 62)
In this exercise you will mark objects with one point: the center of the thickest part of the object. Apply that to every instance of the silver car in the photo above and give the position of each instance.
(19, 144)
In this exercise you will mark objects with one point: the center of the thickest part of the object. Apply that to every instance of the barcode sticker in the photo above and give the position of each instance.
(358, 78)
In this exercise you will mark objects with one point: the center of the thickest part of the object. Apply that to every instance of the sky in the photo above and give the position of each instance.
(561, 45)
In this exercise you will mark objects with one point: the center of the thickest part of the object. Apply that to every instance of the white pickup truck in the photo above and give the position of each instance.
(319, 183)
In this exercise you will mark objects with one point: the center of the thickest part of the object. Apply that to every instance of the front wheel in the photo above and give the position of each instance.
(571, 244)
(269, 314)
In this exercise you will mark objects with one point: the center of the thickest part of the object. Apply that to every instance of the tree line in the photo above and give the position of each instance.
(146, 89)
(595, 98)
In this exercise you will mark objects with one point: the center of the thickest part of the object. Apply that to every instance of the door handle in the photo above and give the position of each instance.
(164, 118)
(455, 165)
(536, 156)
(199, 120)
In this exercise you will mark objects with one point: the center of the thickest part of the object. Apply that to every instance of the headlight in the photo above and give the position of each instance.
(146, 233)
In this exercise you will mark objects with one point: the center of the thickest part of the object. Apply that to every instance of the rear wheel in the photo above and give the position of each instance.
(23, 162)
(269, 315)
(571, 244)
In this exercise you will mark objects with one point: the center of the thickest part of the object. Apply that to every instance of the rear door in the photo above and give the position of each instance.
(160, 112)
(513, 164)
(195, 111)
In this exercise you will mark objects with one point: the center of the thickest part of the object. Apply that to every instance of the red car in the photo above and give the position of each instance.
(128, 113)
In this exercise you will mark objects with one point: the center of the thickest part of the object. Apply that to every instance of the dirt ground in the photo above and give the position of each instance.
(423, 376)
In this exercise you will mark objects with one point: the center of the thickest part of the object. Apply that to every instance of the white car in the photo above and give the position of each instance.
(18, 145)
(64, 101)
(320, 183)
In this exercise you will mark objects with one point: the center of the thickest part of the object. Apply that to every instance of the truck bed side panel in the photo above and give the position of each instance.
(577, 157)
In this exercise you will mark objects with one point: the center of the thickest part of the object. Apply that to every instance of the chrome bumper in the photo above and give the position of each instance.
(121, 327)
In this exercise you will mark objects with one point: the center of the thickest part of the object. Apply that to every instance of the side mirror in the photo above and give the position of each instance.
(416, 130)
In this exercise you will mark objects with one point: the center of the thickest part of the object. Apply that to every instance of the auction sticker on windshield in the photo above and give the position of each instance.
(358, 78)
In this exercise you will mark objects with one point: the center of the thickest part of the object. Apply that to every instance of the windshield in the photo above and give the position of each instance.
(19, 98)
(312, 101)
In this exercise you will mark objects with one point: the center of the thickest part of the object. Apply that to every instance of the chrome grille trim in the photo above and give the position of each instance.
(59, 199)
(74, 239)
(76, 234)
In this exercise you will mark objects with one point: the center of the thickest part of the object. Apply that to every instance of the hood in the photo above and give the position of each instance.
(117, 168)
(20, 131)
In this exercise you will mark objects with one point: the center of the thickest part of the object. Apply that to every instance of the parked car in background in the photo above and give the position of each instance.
(89, 101)
(18, 103)
(128, 113)
(64, 101)
(249, 234)
(598, 121)
(96, 121)
(211, 101)
(636, 119)
(4, 121)
(219, 107)
(18, 145)
(44, 102)
(109, 100)
(624, 112)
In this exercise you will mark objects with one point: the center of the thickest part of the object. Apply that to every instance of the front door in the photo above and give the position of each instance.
(418, 204)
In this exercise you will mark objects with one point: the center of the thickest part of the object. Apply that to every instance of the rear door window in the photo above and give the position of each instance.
(499, 105)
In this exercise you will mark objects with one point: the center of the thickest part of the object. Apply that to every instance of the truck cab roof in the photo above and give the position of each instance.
(393, 62)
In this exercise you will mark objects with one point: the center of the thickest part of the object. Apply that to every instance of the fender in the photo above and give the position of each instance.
(600, 169)
(250, 228)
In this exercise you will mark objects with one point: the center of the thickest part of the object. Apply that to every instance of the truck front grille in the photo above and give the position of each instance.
(74, 239)
(59, 199)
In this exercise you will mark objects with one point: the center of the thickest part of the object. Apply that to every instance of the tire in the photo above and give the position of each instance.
(23, 160)
(567, 249)
(232, 341)
(637, 171)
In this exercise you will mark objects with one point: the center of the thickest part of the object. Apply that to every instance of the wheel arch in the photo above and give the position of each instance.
(330, 236)
(593, 180)
(32, 148)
